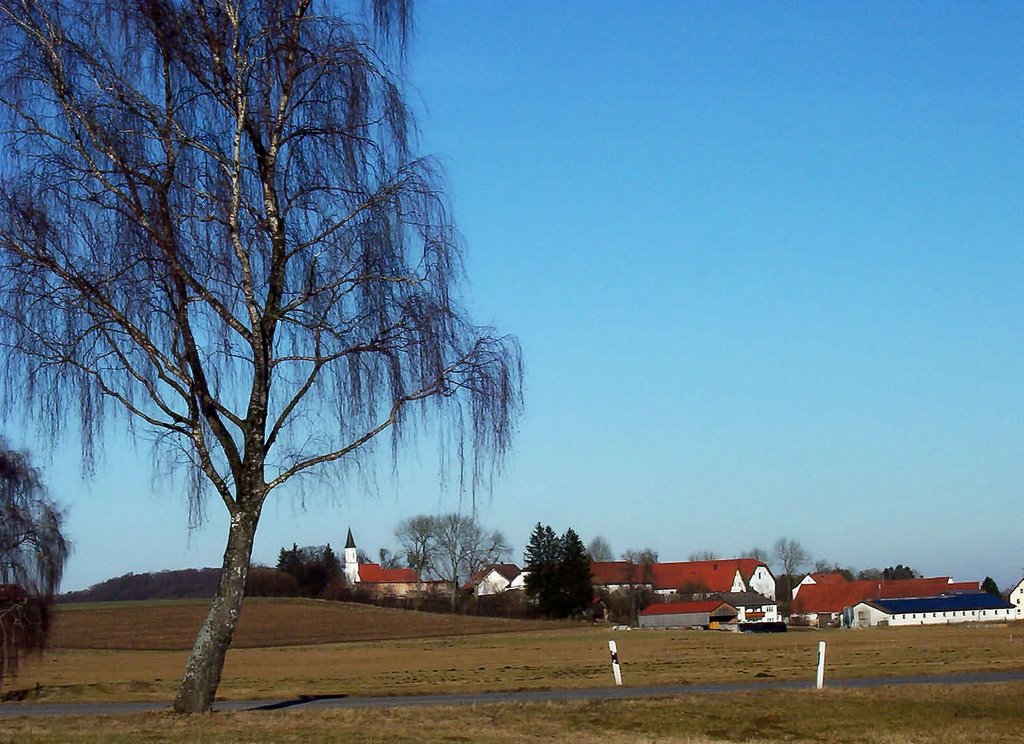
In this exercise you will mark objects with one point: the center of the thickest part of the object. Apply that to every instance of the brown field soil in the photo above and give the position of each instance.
(546, 656)
(170, 625)
(932, 714)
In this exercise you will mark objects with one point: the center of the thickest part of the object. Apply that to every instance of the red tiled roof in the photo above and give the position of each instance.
(373, 573)
(12, 593)
(710, 576)
(673, 608)
(832, 598)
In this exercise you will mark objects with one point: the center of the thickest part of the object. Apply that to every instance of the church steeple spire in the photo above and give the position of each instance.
(351, 560)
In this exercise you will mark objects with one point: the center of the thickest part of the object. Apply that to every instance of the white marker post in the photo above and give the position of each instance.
(821, 664)
(615, 663)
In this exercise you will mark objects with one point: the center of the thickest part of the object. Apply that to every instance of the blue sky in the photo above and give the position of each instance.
(765, 266)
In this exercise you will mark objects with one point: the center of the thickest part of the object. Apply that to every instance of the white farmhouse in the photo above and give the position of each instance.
(493, 579)
(1017, 599)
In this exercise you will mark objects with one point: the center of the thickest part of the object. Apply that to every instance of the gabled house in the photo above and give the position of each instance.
(493, 579)
(751, 607)
(829, 577)
(695, 578)
(1017, 599)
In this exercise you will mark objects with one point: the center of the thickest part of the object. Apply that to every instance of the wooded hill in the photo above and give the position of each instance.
(188, 583)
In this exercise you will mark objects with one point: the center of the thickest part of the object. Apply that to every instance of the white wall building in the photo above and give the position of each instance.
(493, 579)
(1017, 599)
(977, 607)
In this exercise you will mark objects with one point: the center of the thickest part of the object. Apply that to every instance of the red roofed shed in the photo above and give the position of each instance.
(688, 614)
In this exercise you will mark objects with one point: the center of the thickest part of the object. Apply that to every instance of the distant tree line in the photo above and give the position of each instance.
(188, 583)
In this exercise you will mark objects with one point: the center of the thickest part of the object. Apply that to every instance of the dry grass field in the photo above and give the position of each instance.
(171, 625)
(287, 648)
(974, 714)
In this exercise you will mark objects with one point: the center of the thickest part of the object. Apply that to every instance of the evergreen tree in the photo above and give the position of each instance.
(332, 565)
(542, 559)
(558, 577)
(576, 585)
(289, 561)
(989, 585)
(314, 567)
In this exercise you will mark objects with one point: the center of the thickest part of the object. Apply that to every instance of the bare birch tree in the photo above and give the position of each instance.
(33, 552)
(212, 222)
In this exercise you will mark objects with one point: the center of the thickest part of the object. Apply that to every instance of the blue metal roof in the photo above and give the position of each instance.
(944, 603)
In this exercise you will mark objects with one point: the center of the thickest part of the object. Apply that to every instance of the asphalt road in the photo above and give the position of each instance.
(526, 696)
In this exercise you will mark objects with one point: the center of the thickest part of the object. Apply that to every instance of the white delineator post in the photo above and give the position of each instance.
(821, 664)
(615, 663)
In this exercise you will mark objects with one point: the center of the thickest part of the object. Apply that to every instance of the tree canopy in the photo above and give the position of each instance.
(899, 571)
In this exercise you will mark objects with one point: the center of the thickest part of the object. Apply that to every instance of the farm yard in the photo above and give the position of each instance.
(288, 648)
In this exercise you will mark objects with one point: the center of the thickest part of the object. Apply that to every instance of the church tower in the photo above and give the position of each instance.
(351, 560)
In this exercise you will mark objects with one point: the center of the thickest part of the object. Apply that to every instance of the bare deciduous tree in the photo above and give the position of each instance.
(212, 223)
(462, 547)
(600, 550)
(417, 541)
(639, 577)
(757, 553)
(702, 555)
(790, 555)
(33, 552)
(387, 559)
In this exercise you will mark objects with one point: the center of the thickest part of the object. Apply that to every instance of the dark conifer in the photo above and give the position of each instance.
(576, 586)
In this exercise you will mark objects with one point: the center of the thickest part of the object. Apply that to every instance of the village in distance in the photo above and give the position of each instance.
(450, 563)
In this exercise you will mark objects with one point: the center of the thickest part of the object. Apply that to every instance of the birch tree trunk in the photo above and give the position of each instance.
(205, 664)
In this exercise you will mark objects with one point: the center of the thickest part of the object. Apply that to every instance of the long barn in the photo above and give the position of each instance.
(965, 607)
(704, 614)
